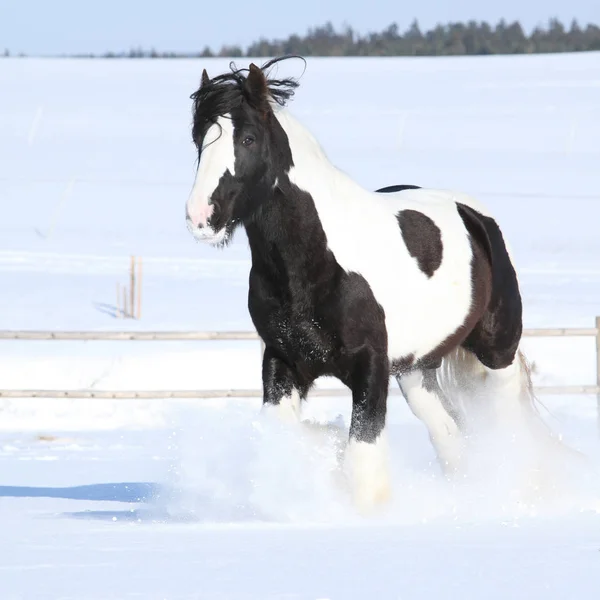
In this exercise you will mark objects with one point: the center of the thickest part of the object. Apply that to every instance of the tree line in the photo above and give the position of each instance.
(471, 38)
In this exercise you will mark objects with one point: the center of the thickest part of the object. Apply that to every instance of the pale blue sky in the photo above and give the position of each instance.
(70, 26)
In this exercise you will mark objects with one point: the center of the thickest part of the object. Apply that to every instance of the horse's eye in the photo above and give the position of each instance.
(248, 140)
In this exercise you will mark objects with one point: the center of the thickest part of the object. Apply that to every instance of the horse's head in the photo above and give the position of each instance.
(241, 149)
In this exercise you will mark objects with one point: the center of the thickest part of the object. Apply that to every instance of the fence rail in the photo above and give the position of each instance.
(125, 336)
(147, 336)
(234, 393)
(150, 336)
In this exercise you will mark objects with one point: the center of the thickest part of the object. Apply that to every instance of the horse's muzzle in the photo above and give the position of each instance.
(206, 234)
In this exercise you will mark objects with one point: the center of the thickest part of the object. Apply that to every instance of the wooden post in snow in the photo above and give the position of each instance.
(132, 287)
(598, 370)
(139, 288)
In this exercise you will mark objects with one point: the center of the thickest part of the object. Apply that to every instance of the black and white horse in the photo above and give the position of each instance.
(351, 283)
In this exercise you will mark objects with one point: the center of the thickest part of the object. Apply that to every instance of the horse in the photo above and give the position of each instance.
(351, 283)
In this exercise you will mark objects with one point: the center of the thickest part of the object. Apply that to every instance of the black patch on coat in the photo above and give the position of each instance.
(397, 188)
(423, 240)
(495, 338)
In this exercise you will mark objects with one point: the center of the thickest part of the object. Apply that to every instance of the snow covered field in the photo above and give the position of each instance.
(172, 500)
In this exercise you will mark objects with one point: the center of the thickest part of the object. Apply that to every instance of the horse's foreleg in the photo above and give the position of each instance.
(282, 394)
(367, 453)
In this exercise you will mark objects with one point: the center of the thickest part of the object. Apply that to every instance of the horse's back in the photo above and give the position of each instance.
(439, 204)
(429, 198)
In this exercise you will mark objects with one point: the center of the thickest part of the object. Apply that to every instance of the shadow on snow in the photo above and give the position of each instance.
(97, 492)
(153, 495)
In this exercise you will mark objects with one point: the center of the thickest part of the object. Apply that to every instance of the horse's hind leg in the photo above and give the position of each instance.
(506, 385)
(496, 336)
(426, 400)
(495, 342)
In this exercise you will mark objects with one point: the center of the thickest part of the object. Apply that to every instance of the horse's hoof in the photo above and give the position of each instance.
(451, 469)
(452, 458)
(285, 413)
(368, 473)
(370, 501)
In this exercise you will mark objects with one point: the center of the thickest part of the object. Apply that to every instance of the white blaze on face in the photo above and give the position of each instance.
(217, 157)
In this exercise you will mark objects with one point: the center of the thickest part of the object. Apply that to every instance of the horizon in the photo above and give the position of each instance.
(68, 28)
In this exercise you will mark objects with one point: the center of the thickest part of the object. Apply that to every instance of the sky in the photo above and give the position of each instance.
(46, 27)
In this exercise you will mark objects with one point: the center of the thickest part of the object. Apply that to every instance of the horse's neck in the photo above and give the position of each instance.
(313, 172)
(283, 224)
(287, 235)
(288, 244)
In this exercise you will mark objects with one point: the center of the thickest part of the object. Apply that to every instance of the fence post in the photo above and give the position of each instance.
(598, 371)
(132, 287)
(139, 288)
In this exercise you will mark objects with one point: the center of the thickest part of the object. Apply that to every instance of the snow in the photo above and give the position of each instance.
(165, 499)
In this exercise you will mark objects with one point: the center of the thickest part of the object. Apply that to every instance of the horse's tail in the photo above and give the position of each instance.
(468, 388)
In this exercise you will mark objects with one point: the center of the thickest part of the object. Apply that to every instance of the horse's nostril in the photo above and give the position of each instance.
(191, 226)
(199, 217)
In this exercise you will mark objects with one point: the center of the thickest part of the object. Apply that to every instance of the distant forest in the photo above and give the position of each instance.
(472, 38)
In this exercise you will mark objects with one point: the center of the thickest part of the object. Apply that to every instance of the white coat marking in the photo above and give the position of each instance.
(367, 467)
(443, 431)
(364, 235)
(217, 157)
(288, 410)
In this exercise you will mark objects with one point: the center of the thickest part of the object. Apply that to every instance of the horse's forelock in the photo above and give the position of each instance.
(221, 94)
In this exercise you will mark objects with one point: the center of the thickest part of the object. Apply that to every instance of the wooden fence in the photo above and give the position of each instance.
(146, 336)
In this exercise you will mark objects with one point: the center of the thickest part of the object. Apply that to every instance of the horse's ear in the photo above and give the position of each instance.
(205, 78)
(257, 88)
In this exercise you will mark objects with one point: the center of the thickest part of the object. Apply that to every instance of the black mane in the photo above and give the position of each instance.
(225, 92)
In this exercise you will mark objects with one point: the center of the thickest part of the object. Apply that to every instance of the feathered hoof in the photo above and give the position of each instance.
(369, 501)
(451, 458)
(366, 467)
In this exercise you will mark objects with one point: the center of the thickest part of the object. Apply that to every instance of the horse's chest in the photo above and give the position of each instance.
(299, 337)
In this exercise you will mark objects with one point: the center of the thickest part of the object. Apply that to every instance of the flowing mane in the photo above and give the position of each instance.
(221, 94)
